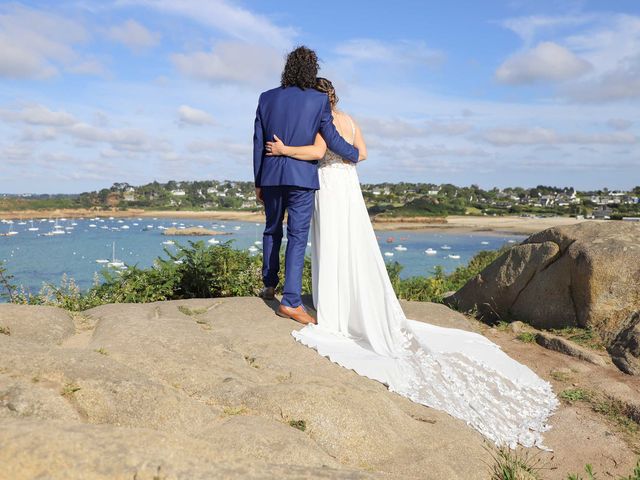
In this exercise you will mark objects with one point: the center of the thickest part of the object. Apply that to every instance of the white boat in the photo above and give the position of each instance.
(168, 242)
(445, 247)
(253, 249)
(484, 243)
(430, 251)
(237, 228)
(388, 254)
(125, 227)
(511, 241)
(213, 241)
(115, 263)
(454, 257)
(92, 225)
(32, 228)
(102, 260)
(400, 248)
(257, 242)
(57, 229)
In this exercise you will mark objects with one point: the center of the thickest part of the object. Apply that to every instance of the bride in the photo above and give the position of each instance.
(361, 325)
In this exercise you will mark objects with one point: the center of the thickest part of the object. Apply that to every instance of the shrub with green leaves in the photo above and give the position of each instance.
(199, 270)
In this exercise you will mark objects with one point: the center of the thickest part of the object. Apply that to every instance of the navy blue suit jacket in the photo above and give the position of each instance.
(295, 116)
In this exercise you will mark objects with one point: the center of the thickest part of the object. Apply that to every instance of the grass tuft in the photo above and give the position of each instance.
(526, 337)
(69, 389)
(232, 411)
(515, 465)
(299, 424)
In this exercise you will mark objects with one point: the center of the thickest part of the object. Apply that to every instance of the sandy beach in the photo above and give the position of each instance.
(452, 224)
(83, 212)
(485, 224)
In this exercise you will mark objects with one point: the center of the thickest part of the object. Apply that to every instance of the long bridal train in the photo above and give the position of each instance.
(361, 326)
(460, 372)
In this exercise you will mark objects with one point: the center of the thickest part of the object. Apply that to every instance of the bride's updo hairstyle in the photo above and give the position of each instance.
(325, 86)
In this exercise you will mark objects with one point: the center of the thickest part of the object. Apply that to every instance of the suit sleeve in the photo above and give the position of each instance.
(333, 139)
(258, 147)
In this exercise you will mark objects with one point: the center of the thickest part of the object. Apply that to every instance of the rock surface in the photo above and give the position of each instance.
(625, 350)
(218, 388)
(585, 275)
(560, 344)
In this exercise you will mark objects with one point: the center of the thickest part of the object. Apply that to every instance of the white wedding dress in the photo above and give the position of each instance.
(361, 326)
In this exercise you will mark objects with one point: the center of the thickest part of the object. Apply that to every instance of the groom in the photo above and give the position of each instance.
(295, 112)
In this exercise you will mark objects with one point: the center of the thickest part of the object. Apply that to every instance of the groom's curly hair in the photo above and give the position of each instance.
(301, 68)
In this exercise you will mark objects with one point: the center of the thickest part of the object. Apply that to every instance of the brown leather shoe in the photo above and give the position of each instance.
(268, 293)
(299, 314)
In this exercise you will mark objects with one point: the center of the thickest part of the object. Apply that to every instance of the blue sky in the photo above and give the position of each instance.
(496, 93)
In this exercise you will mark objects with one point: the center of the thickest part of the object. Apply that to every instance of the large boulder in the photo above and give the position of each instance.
(585, 275)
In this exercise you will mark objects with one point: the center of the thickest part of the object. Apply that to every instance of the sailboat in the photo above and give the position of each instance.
(115, 263)
(32, 228)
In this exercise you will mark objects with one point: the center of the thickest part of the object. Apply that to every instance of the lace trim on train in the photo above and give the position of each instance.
(505, 412)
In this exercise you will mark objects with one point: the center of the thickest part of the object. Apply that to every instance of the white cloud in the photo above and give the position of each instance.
(193, 116)
(621, 83)
(410, 53)
(528, 28)
(231, 62)
(225, 147)
(544, 136)
(398, 128)
(130, 139)
(547, 62)
(233, 20)
(39, 135)
(35, 44)
(134, 35)
(619, 123)
(38, 115)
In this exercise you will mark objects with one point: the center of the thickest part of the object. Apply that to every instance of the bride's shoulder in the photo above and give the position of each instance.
(343, 116)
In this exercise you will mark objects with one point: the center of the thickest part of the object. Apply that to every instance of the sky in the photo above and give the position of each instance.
(493, 93)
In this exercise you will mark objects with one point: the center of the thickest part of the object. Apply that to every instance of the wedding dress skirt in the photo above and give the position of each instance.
(361, 326)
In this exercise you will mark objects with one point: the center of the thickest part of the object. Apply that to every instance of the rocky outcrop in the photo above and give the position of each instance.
(218, 388)
(585, 275)
(625, 349)
(206, 389)
(562, 345)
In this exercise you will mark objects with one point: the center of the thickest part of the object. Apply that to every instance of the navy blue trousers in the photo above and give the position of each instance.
(298, 202)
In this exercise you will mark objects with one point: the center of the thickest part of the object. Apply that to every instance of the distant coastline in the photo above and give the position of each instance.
(451, 224)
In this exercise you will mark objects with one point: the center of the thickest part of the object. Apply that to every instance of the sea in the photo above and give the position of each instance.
(35, 255)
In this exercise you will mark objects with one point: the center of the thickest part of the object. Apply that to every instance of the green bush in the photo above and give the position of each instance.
(199, 270)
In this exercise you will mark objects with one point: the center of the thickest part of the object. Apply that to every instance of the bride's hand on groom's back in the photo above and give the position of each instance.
(275, 147)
